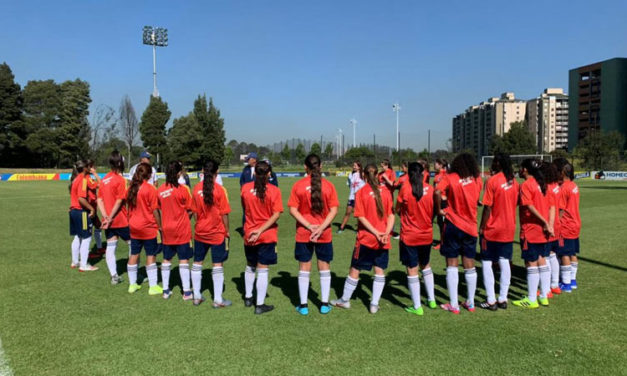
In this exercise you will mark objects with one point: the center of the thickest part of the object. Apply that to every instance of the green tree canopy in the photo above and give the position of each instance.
(361, 153)
(517, 140)
(299, 153)
(152, 127)
(316, 149)
(286, 153)
(185, 140)
(328, 151)
(601, 150)
(11, 105)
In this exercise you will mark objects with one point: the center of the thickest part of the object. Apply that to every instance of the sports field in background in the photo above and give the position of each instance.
(57, 321)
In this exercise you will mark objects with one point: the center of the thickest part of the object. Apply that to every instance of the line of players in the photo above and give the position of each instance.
(158, 220)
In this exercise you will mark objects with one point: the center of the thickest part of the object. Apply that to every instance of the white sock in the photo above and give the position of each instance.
(217, 275)
(165, 275)
(427, 276)
(132, 273)
(533, 279)
(303, 286)
(377, 288)
(488, 281)
(98, 238)
(413, 283)
(573, 271)
(249, 281)
(565, 271)
(452, 280)
(506, 276)
(325, 285)
(84, 251)
(471, 284)
(555, 270)
(76, 246)
(153, 274)
(262, 285)
(545, 280)
(110, 257)
(349, 287)
(196, 280)
(184, 273)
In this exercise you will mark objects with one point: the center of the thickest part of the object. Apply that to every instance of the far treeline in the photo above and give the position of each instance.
(48, 125)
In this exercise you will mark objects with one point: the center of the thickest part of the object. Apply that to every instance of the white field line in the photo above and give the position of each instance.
(5, 369)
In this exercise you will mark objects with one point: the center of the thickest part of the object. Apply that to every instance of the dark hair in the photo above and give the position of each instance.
(387, 163)
(261, 179)
(442, 162)
(361, 168)
(209, 171)
(565, 167)
(415, 171)
(533, 168)
(89, 163)
(116, 161)
(77, 169)
(142, 173)
(425, 167)
(551, 175)
(465, 166)
(404, 163)
(370, 175)
(172, 173)
(502, 163)
(313, 165)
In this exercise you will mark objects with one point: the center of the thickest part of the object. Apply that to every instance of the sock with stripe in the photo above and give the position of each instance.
(505, 279)
(545, 280)
(153, 274)
(349, 287)
(325, 285)
(452, 280)
(413, 283)
(249, 281)
(573, 270)
(471, 284)
(488, 281)
(427, 276)
(555, 270)
(132, 273)
(110, 257)
(184, 273)
(197, 280)
(533, 279)
(303, 286)
(84, 251)
(262, 285)
(377, 288)
(76, 246)
(565, 271)
(217, 275)
(165, 274)
(98, 238)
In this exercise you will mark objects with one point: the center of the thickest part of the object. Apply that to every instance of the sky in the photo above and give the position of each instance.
(283, 69)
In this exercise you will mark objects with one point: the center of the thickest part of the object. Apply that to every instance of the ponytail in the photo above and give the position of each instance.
(261, 179)
(370, 174)
(533, 168)
(502, 163)
(209, 172)
(313, 165)
(415, 171)
(77, 169)
(172, 173)
(142, 173)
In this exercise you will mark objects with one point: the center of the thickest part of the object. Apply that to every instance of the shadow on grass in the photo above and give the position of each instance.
(614, 187)
(347, 227)
(622, 269)
(289, 287)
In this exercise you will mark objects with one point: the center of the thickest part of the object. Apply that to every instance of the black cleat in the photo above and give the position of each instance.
(502, 305)
(248, 302)
(488, 306)
(261, 309)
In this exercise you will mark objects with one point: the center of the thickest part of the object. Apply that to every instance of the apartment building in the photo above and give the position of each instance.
(547, 119)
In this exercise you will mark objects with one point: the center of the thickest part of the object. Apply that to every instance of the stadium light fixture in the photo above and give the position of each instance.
(354, 124)
(155, 37)
(396, 108)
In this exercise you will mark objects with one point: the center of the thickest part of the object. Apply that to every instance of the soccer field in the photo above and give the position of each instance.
(54, 320)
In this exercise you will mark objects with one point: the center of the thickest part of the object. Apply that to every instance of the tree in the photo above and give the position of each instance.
(328, 151)
(11, 104)
(128, 121)
(517, 140)
(152, 127)
(185, 140)
(424, 155)
(212, 130)
(228, 156)
(286, 153)
(103, 126)
(601, 150)
(74, 132)
(361, 153)
(300, 153)
(315, 149)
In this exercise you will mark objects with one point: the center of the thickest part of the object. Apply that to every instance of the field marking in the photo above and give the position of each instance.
(5, 369)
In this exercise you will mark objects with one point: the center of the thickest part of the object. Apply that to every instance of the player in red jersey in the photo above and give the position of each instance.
(211, 209)
(537, 214)
(497, 229)
(387, 176)
(571, 225)
(462, 187)
(551, 177)
(440, 166)
(415, 207)
(145, 225)
(81, 214)
(425, 173)
(373, 210)
(313, 203)
(113, 210)
(93, 187)
(403, 178)
(263, 206)
(175, 201)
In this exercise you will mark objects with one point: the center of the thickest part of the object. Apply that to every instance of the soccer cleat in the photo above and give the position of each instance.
(566, 288)
(502, 305)
(450, 308)
(248, 302)
(325, 308)
(340, 303)
(198, 302)
(304, 311)
(488, 306)
(224, 303)
(436, 247)
(73, 266)
(340, 231)
(556, 290)
(470, 307)
(416, 311)
(543, 301)
(155, 290)
(526, 303)
(101, 251)
(573, 284)
(374, 308)
(396, 237)
(116, 280)
(134, 287)
(187, 295)
(433, 304)
(263, 308)
(167, 294)
(549, 295)
(88, 268)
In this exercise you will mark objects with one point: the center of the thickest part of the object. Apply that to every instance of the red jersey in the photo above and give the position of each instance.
(553, 189)
(426, 175)
(462, 197)
(257, 212)
(366, 206)
(92, 190)
(392, 176)
(437, 179)
(571, 221)
(502, 196)
(141, 219)
(113, 188)
(175, 202)
(531, 228)
(79, 189)
(401, 180)
(300, 198)
(209, 226)
(416, 216)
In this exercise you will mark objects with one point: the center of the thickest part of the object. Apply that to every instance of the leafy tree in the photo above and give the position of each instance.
(424, 154)
(185, 140)
(74, 133)
(517, 140)
(152, 127)
(361, 153)
(128, 121)
(11, 104)
(300, 153)
(328, 151)
(316, 149)
(212, 130)
(286, 153)
(560, 153)
(601, 150)
(103, 126)
(228, 156)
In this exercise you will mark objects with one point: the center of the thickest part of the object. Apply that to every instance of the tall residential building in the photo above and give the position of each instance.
(473, 129)
(598, 99)
(547, 119)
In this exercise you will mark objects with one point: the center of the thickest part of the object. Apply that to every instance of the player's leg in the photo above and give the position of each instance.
(133, 265)
(303, 253)
(185, 253)
(152, 248)
(488, 253)
(200, 252)
(324, 255)
(470, 272)
(219, 255)
(266, 256)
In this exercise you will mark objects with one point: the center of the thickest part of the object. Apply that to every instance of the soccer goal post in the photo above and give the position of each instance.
(486, 160)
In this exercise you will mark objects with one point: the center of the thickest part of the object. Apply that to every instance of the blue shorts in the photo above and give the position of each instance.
(152, 246)
(554, 246)
(456, 243)
(303, 252)
(264, 254)
(351, 203)
(80, 223)
(121, 232)
(219, 254)
(414, 255)
(184, 251)
(365, 258)
(532, 251)
(570, 248)
(492, 251)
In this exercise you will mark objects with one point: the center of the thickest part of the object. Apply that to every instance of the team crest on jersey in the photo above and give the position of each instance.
(556, 189)
(576, 190)
(507, 185)
(106, 180)
(166, 193)
(466, 181)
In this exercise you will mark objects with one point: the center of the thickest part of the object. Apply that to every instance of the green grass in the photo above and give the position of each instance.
(57, 321)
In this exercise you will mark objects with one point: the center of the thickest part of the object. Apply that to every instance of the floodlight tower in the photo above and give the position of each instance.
(354, 124)
(396, 108)
(341, 142)
(155, 37)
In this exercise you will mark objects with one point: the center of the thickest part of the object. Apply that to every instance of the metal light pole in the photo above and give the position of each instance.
(396, 108)
(155, 37)
(354, 124)
(341, 142)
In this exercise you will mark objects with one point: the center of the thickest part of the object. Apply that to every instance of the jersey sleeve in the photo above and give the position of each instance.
(387, 204)
(277, 201)
(188, 197)
(332, 200)
(401, 195)
(225, 207)
(82, 189)
(154, 199)
(359, 205)
(488, 195)
(294, 201)
(443, 184)
(526, 196)
(120, 189)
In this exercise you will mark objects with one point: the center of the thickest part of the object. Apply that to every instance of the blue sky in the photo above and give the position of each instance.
(283, 69)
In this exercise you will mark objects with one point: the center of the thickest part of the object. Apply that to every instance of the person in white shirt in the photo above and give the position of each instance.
(355, 182)
(144, 157)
